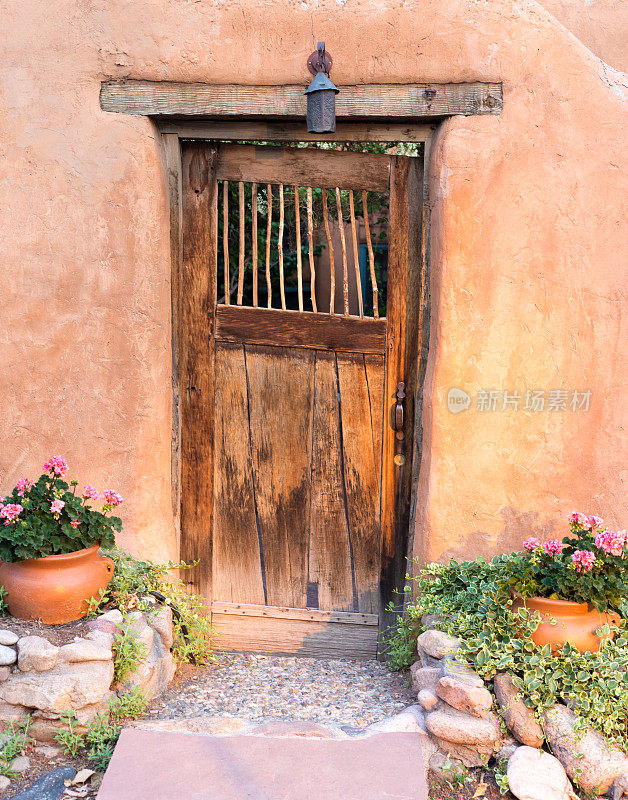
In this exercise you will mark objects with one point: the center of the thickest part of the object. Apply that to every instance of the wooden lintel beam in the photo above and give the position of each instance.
(269, 131)
(165, 99)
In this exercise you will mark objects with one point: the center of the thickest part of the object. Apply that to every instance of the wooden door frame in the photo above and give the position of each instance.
(200, 114)
(193, 322)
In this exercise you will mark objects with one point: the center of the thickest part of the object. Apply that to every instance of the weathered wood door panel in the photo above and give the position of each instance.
(305, 494)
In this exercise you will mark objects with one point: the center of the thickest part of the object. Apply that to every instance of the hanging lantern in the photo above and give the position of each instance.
(321, 94)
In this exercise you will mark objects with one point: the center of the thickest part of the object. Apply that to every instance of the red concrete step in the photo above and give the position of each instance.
(155, 765)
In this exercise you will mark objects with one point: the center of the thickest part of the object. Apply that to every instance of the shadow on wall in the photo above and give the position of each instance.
(517, 527)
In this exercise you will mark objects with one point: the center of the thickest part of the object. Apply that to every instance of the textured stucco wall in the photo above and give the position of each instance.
(602, 25)
(528, 273)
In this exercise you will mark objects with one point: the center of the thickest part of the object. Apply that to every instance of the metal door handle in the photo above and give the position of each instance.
(399, 458)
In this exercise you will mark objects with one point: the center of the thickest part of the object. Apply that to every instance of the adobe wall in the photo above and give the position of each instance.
(528, 273)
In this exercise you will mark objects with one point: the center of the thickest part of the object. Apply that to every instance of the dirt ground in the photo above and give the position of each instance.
(479, 786)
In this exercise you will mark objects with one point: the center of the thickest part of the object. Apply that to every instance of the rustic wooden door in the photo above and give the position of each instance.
(306, 432)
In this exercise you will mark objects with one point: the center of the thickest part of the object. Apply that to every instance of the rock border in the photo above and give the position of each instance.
(40, 681)
(466, 727)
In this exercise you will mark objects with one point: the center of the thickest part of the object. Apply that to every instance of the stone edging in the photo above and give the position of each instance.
(462, 726)
(41, 681)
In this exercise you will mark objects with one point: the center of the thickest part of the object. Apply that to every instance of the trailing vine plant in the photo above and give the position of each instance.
(473, 600)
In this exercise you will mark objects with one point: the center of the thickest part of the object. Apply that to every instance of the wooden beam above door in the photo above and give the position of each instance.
(417, 101)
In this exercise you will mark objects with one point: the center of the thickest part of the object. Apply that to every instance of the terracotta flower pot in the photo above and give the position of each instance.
(576, 623)
(55, 589)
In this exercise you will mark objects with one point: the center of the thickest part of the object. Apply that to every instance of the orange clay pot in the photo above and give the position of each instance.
(576, 623)
(55, 589)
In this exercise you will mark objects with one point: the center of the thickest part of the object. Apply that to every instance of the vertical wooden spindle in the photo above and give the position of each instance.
(225, 239)
(254, 243)
(269, 197)
(356, 257)
(345, 272)
(297, 222)
(282, 290)
(369, 245)
(310, 239)
(330, 247)
(241, 251)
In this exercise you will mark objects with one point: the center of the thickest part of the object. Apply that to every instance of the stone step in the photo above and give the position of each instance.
(162, 765)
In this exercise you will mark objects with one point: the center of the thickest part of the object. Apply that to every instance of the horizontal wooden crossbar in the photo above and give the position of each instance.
(304, 167)
(306, 614)
(262, 131)
(268, 326)
(364, 101)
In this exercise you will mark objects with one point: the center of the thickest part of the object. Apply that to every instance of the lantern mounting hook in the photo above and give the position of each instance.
(320, 60)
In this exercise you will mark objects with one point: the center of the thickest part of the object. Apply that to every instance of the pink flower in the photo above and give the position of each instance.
(580, 520)
(75, 523)
(584, 560)
(611, 542)
(10, 512)
(532, 543)
(57, 506)
(553, 546)
(595, 521)
(23, 485)
(91, 492)
(57, 465)
(112, 498)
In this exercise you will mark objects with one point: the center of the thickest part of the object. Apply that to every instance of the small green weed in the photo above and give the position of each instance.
(130, 705)
(128, 654)
(100, 741)
(456, 775)
(69, 738)
(15, 740)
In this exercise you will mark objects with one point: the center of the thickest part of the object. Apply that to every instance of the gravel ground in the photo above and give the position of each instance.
(259, 687)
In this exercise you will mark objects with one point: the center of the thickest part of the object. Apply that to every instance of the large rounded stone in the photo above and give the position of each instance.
(519, 718)
(536, 775)
(85, 650)
(476, 755)
(36, 653)
(161, 622)
(452, 668)
(460, 728)
(8, 637)
(66, 686)
(437, 644)
(585, 754)
(410, 720)
(427, 700)
(424, 677)
(7, 655)
(474, 700)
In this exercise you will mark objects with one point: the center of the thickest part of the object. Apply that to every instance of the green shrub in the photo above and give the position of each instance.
(135, 584)
(474, 602)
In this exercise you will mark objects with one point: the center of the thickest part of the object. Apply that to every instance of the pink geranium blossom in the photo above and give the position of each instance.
(112, 498)
(57, 465)
(612, 542)
(553, 546)
(531, 543)
(595, 522)
(10, 512)
(75, 523)
(23, 485)
(584, 560)
(57, 506)
(581, 520)
(91, 492)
